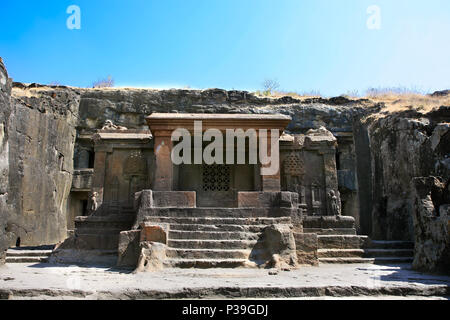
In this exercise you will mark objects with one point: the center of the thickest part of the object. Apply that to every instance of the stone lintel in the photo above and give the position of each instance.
(119, 135)
(171, 121)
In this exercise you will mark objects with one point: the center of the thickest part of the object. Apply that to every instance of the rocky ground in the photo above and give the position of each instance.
(355, 281)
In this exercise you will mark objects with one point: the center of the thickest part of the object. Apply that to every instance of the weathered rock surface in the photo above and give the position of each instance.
(152, 256)
(129, 249)
(280, 245)
(42, 138)
(5, 114)
(129, 107)
(391, 150)
(307, 245)
(431, 224)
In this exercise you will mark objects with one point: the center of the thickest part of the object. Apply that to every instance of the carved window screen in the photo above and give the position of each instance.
(216, 177)
(293, 165)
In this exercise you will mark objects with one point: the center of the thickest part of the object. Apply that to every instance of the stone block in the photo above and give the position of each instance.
(280, 245)
(154, 232)
(174, 199)
(329, 222)
(306, 246)
(255, 199)
(271, 184)
(164, 199)
(251, 200)
(152, 257)
(128, 249)
(288, 200)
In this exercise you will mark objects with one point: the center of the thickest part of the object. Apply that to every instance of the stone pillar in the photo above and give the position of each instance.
(331, 179)
(98, 180)
(163, 165)
(271, 183)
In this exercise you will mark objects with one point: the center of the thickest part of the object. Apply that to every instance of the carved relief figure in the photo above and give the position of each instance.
(109, 125)
(94, 202)
(334, 203)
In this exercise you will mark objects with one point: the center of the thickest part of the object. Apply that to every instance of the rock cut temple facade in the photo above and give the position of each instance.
(137, 208)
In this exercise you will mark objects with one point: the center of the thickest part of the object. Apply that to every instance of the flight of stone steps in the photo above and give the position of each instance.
(28, 254)
(215, 242)
(102, 232)
(360, 249)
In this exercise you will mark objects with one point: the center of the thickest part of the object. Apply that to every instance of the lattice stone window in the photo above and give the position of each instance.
(293, 165)
(216, 177)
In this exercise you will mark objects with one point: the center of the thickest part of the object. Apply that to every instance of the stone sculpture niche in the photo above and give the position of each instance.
(309, 168)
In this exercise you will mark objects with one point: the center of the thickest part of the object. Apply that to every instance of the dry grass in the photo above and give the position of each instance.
(402, 99)
(394, 99)
(295, 95)
(420, 103)
(104, 83)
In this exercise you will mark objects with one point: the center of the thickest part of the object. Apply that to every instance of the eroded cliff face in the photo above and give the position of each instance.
(399, 147)
(42, 137)
(431, 217)
(5, 113)
(129, 107)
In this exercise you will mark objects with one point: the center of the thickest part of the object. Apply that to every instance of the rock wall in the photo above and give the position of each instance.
(5, 113)
(129, 107)
(42, 136)
(431, 216)
(391, 151)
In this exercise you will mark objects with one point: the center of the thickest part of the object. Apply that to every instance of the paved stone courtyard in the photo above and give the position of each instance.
(355, 281)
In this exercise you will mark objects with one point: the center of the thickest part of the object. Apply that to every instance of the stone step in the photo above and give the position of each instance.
(328, 222)
(374, 253)
(342, 241)
(207, 253)
(85, 230)
(365, 253)
(99, 241)
(106, 219)
(27, 253)
(378, 260)
(211, 244)
(27, 259)
(334, 231)
(340, 253)
(220, 220)
(212, 235)
(208, 263)
(97, 257)
(384, 244)
(219, 212)
(218, 227)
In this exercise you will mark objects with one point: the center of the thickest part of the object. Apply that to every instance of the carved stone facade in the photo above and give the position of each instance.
(123, 166)
(309, 168)
(135, 182)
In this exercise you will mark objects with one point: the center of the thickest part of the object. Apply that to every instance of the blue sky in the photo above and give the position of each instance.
(306, 45)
